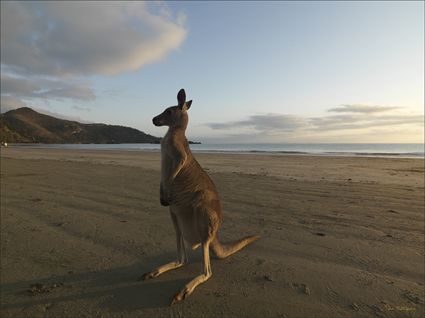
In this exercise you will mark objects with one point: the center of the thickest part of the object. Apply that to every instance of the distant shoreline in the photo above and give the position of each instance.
(243, 149)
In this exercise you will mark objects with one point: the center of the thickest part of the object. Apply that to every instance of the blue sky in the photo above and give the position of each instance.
(256, 71)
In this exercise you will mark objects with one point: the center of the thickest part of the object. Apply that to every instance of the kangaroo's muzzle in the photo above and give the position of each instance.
(157, 121)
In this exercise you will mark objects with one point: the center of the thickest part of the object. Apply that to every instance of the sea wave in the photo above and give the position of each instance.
(360, 150)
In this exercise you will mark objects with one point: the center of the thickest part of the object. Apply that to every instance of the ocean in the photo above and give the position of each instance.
(374, 150)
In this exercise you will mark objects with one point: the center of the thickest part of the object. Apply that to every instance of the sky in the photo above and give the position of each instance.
(257, 72)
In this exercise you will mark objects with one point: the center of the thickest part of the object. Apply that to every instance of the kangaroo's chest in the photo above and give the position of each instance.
(166, 158)
(166, 163)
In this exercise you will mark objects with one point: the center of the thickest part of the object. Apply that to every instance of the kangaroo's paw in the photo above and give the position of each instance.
(181, 295)
(149, 275)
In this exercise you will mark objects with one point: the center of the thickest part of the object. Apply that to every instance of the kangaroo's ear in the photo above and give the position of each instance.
(181, 97)
(188, 104)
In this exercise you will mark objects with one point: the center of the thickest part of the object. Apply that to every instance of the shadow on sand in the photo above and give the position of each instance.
(119, 285)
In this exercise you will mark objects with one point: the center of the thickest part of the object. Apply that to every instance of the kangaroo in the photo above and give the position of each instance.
(192, 199)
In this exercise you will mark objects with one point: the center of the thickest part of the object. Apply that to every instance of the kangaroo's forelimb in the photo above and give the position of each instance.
(179, 155)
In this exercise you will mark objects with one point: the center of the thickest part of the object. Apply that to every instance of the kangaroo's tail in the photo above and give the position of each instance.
(224, 250)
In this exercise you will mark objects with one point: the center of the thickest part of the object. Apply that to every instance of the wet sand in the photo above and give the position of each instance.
(341, 237)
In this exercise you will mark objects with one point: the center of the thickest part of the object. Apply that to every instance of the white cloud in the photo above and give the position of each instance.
(35, 87)
(352, 123)
(48, 48)
(66, 38)
(266, 122)
(361, 116)
(362, 108)
(9, 102)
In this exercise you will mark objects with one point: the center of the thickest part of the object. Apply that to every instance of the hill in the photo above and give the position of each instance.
(25, 125)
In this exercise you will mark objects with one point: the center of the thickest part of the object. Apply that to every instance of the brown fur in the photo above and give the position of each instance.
(193, 199)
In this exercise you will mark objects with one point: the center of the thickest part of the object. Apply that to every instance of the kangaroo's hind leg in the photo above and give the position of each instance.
(181, 254)
(189, 287)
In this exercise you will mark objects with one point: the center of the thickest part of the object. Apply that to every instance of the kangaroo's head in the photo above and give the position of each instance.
(174, 116)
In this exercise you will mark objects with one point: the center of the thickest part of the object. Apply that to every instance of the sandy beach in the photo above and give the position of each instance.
(341, 237)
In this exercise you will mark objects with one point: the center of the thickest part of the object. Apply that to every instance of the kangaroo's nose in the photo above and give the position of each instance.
(155, 121)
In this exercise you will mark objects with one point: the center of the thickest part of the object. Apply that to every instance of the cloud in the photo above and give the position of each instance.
(350, 120)
(79, 108)
(66, 38)
(9, 102)
(269, 122)
(360, 116)
(24, 88)
(361, 108)
(363, 121)
(48, 48)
